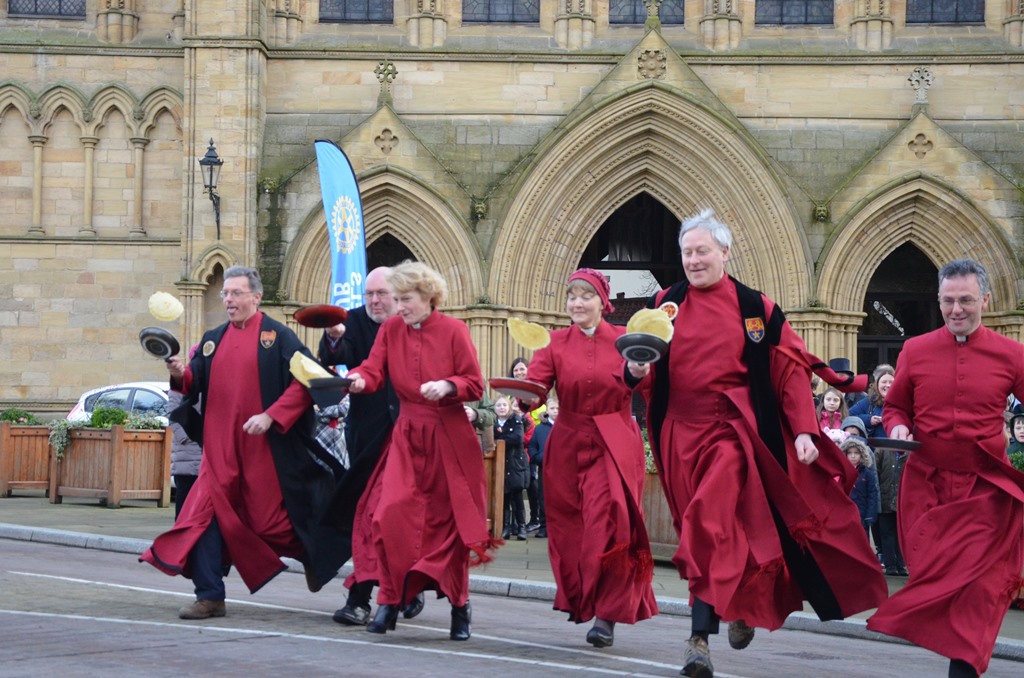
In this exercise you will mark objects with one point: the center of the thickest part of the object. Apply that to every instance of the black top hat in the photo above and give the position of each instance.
(840, 366)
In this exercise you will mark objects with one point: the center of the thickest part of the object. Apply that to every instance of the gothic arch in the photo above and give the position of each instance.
(685, 155)
(941, 222)
(153, 104)
(61, 97)
(111, 97)
(397, 203)
(13, 95)
(208, 261)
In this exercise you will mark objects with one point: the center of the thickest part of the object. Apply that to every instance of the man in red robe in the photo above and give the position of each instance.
(961, 504)
(750, 480)
(259, 494)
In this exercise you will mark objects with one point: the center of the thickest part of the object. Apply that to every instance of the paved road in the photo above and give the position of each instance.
(75, 612)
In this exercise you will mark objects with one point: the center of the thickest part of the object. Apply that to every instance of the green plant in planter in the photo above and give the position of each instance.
(649, 464)
(1017, 461)
(60, 435)
(19, 416)
(105, 417)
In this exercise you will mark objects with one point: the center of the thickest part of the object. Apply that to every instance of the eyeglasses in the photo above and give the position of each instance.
(233, 294)
(964, 302)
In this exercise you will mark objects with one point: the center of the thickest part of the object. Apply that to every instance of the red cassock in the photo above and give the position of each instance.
(722, 482)
(238, 482)
(423, 515)
(961, 504)
(593, 481)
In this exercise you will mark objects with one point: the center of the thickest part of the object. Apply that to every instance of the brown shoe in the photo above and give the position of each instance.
(203, 609)
(697, 659)
(740, 634)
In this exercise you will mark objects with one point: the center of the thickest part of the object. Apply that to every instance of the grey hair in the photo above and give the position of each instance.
(959, 268)
(255, 284)
(707, 221)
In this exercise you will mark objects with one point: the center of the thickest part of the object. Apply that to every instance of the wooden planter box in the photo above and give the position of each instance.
(658, 518)
(24, 458)
(112, 465)
(494, 470)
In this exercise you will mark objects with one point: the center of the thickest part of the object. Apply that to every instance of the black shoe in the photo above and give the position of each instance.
(902, 572)
(521, 535)
(352, 615)
(384, 620)
(505, 533)
(542, 533)
(414, 607)
(599, 636)
(532, 527)
(461, 617)
(892, 572)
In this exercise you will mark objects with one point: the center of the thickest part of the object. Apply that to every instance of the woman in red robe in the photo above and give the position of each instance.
(594, 470)
(423, 516)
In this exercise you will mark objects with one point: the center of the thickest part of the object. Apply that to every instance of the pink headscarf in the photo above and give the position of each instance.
(599, 283)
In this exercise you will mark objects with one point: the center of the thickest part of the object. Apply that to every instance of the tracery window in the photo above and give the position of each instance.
(357, 11)
(945, 11)
(501, 11)
(794, 12)
(635, 12)
(64, 9)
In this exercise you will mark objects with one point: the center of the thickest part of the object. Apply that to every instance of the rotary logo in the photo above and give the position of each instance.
(346, 224)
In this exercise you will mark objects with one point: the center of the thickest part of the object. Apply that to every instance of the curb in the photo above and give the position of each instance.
(492, 586)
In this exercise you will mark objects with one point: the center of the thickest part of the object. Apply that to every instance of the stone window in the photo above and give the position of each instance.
(794, 12)
(945, 11)
(357, 11)
(635, 12)
(501, 11)
(64, 9)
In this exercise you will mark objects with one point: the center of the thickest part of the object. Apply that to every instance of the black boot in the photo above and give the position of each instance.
(384, 620)
(414, 606)
(461, 616)
(357, 609)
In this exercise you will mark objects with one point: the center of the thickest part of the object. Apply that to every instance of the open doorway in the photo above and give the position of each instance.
(900, 303)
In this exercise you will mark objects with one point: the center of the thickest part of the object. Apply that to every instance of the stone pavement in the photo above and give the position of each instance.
(520, 569)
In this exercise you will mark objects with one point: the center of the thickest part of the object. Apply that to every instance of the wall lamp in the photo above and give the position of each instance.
(210, 166)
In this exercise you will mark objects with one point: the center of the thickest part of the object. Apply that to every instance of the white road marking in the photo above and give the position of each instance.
(508, 641)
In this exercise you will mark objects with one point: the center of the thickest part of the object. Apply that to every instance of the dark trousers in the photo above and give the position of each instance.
(182, 485)
(359, 594)
(703, 620)
(207, 561)
(535, 494)
(892, 556)
(515, 510)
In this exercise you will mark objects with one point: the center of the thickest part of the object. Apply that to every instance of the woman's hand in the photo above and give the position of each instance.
(806, 452)
(876, 420)
(638, 370)
(435, 390)
(176, 367)
(358, 383)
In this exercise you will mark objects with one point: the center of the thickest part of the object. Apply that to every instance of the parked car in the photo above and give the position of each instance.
(137, 397)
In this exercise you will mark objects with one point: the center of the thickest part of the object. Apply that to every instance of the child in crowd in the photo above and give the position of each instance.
(831, 410)
(865, 492)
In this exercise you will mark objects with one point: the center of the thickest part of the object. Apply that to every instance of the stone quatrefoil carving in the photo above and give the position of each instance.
(386, 141)
(920, 146)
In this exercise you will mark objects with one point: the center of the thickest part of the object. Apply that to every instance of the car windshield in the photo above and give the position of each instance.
(115, 398)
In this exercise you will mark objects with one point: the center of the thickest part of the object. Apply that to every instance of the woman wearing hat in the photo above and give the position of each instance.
(594, 468)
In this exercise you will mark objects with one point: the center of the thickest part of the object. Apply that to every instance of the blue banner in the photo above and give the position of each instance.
(344, 212)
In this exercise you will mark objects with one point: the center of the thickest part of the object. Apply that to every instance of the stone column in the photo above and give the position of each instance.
(1013, 24)
(286, 22)
(37, 183)
(427, 25)
(871, 27)
(138, 229)
(192, 296)
(225, 71)
(828, 334)
(721, 27)
(117, 21)
(574, 24)
(89, 143)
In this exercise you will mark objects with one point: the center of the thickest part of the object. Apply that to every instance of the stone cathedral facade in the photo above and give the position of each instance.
(853, 145)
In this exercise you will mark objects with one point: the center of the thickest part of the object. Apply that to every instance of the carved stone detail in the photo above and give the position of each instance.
(651, 64)
(920, 146)
(921, 80)
(386, 141)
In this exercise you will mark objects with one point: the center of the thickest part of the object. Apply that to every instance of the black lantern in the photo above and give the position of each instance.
(210, 166)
